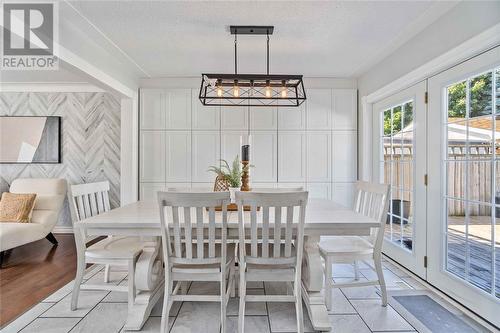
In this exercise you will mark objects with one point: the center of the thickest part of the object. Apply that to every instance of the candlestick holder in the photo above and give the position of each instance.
(245, 177)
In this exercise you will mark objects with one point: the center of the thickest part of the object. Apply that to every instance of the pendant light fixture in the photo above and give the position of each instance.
(251, 89)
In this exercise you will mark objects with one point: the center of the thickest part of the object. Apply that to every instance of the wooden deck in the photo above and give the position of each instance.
(480, 267)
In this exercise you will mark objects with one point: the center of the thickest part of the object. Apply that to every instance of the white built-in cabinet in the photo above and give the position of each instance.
(292, 156)
(312, 146)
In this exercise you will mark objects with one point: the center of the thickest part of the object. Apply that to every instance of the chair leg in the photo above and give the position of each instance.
(232, 276)
(242, 294)
(298, 305)
(380, 274)
(106, 273)
(328, 284)
(131, 283)
(50, 237)
(223, 301)
(356, 270)
(165, 312)
(80, 270)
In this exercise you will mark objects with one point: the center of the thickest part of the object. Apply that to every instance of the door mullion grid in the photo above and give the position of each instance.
(467, 180)
(493, 180)
(401, 179)
(392, 171)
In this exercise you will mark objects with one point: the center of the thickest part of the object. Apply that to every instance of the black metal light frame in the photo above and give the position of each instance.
(251, 89)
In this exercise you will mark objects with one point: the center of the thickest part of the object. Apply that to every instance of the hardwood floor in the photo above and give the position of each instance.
(32, 272)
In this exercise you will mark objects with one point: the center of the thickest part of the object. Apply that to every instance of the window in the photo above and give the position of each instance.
(472, 171)
(397, 169)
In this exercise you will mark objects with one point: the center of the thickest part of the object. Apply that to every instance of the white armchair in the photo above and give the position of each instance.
(50, 195)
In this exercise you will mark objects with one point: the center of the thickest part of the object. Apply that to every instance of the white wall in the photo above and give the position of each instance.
(461, 23)
(465, 21)
(312, 146)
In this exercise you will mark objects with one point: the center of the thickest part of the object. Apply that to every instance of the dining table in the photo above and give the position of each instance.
(142, 218)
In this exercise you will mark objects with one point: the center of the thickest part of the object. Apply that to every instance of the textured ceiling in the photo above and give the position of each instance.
(186, 38)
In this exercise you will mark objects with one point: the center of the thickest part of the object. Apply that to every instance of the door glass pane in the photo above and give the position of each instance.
(397, 167)
(480, 95)
(473, 181)
(479, 181)
(480, 254)
(456, 238)
(457, 139)
(457, 101)
(456, 179)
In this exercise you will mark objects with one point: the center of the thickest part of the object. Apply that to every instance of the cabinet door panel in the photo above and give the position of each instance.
(230, 145)
(344, 156)
(292, 118)
(263, 118)
(319, 156)
(206, 152)
(345, 109)
(204, 117)
(291, 185)
(178, 156)
(178, 108)
(291, 156)
(148, 190)
(151, 113)
(320, 190)
(152, 156)
(264, 156)
(319, 108)
(343, 193)
(234, 118)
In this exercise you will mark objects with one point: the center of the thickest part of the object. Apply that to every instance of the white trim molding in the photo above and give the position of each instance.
(49, 87)
(60, 229)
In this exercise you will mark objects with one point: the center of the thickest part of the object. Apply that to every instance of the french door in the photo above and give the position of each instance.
(399, 150)
(464, 183)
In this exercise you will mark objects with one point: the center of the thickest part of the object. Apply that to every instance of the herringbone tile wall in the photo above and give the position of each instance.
(90, 139)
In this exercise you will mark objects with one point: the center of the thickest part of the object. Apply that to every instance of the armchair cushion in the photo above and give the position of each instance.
(15, 234)
(16, 207)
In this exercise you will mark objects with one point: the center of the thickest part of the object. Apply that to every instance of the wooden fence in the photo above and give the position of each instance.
(479, 173)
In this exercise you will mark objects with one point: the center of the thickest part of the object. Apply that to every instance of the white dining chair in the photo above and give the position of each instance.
(194, 242)
(371, 200)
(87, 200)
(274, 253)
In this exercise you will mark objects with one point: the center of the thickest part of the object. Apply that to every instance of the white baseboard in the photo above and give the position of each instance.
(62, 230)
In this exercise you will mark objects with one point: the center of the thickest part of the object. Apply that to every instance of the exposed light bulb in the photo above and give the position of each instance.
(236, 89)
(219, 88)
(283, 90)
(268, 89)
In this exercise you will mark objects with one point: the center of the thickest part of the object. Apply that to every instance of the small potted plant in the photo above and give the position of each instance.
(232, 175)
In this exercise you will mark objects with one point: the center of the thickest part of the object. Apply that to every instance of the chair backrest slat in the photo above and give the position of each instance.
(187, 231)
(372, 200)
(211, 232)
(253, 229)
(89, 199)
(288, 231)
(277, 232)
(199, 232)
(195, 213)
(286, 234)
(265, 232)
(177, 231)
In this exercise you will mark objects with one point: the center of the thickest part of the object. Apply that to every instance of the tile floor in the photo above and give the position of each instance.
(355, 310)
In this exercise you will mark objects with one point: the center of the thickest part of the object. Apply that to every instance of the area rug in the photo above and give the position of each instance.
(428, 312)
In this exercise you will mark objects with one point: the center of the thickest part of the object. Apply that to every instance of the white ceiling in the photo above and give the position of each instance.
(325, 39)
